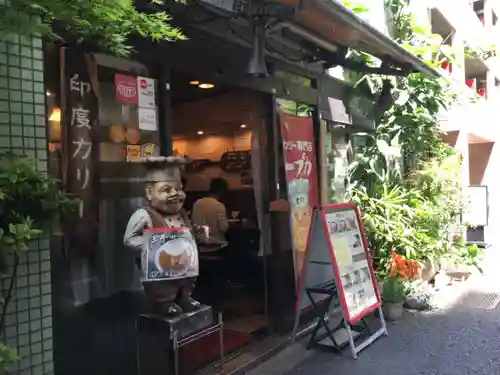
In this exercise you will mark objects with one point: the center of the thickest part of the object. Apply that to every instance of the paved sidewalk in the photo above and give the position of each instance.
(463, 337)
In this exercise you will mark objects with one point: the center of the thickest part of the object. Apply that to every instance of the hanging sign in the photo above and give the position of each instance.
(80, 121)
(300, 169)
(338, 260)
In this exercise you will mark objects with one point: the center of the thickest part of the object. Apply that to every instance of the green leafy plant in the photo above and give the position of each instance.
(406, 179)
(394, 291)
(107, 24)
(30, 201)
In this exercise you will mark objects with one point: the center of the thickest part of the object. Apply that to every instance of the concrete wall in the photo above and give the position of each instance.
(22, 129)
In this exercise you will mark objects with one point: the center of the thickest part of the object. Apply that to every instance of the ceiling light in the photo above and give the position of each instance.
(48, 93)
(199, 132)
(243, 126)
(196, 83)
(206, 86)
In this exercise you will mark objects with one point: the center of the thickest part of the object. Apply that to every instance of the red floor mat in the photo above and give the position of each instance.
(206, 350)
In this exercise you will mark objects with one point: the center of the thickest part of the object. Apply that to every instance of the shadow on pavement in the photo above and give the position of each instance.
(464, 339)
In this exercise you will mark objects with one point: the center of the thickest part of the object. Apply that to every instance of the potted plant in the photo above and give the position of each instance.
(395, 290)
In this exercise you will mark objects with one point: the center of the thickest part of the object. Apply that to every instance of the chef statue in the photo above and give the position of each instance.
(161, 237)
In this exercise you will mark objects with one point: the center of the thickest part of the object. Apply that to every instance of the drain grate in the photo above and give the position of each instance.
(487, 300)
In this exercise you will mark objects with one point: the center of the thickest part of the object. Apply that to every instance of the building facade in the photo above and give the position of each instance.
(24, 128)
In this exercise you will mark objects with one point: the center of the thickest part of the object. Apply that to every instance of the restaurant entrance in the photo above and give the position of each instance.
(217, 128)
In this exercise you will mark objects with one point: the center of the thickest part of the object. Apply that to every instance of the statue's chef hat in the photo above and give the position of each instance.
(163, 168)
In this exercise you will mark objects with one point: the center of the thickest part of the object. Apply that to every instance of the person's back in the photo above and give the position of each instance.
(212, 213)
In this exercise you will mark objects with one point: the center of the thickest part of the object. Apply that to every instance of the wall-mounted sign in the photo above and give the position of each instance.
(147, 119)
(236, 161)
(126, 88)
(146, 87)
(476, 206)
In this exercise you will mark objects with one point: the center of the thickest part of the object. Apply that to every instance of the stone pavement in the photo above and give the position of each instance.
(461, 337)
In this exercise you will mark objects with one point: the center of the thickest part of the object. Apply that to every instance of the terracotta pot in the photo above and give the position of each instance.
(393, 310)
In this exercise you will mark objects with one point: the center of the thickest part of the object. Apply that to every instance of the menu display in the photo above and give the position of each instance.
(345, 237)
(236, 161)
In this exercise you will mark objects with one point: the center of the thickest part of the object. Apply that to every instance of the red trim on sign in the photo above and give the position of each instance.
(336, 271)
(164, 229)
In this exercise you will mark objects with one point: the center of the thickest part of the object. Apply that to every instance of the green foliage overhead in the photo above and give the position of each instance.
(107, 24)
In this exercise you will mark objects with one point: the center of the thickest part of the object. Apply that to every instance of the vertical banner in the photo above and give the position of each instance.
(299, 155)
(79, 121)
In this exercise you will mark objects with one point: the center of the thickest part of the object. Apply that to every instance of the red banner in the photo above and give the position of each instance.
(301, 174)
(126, 88)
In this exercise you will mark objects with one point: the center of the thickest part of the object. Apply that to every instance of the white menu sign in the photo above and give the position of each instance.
(147, 119)
(354, 270)
(146, 93)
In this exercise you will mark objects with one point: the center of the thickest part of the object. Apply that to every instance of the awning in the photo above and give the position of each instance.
(334, 22)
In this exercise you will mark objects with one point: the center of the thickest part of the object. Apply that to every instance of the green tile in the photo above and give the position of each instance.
(40, 109)
(27, 85)
(27, 119)
(38, 76)
(5, 142)
(23, 339)
(14, 84)
(27, 73)
(4, 70)
(35, 314)
(38, 65)
(35, 325)
(36, 348)
(39, 99)
(4, 106)
(28, 97)
(26, 51)
(11, 331)
(4, 93)
(22, 317)
(29, 109)
(18, 142)
(16, 119)
(24, 328)
(24, 351)
(46, 311)
(28, 131)
(14, 72)
(4, 118)
(36, 359)
(16, 95)
(34, 291)
(47, 322)
(38, 87)
(14, 60)
(36, 336)
(22, 305)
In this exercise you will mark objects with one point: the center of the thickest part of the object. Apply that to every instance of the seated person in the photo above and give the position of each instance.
(211, 212)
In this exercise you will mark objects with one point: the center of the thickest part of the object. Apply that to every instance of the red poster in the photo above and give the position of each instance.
(126, 88)
(301, 174)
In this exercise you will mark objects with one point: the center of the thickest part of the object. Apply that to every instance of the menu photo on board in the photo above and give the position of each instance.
(351, 259)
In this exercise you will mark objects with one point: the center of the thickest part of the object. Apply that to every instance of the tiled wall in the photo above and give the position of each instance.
(22, 129)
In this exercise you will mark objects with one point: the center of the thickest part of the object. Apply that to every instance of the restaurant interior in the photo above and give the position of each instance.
(216, 128)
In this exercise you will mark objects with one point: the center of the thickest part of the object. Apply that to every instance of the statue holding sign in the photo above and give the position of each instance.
(161, 237)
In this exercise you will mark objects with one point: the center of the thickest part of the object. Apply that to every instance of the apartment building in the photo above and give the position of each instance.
(472, 29)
